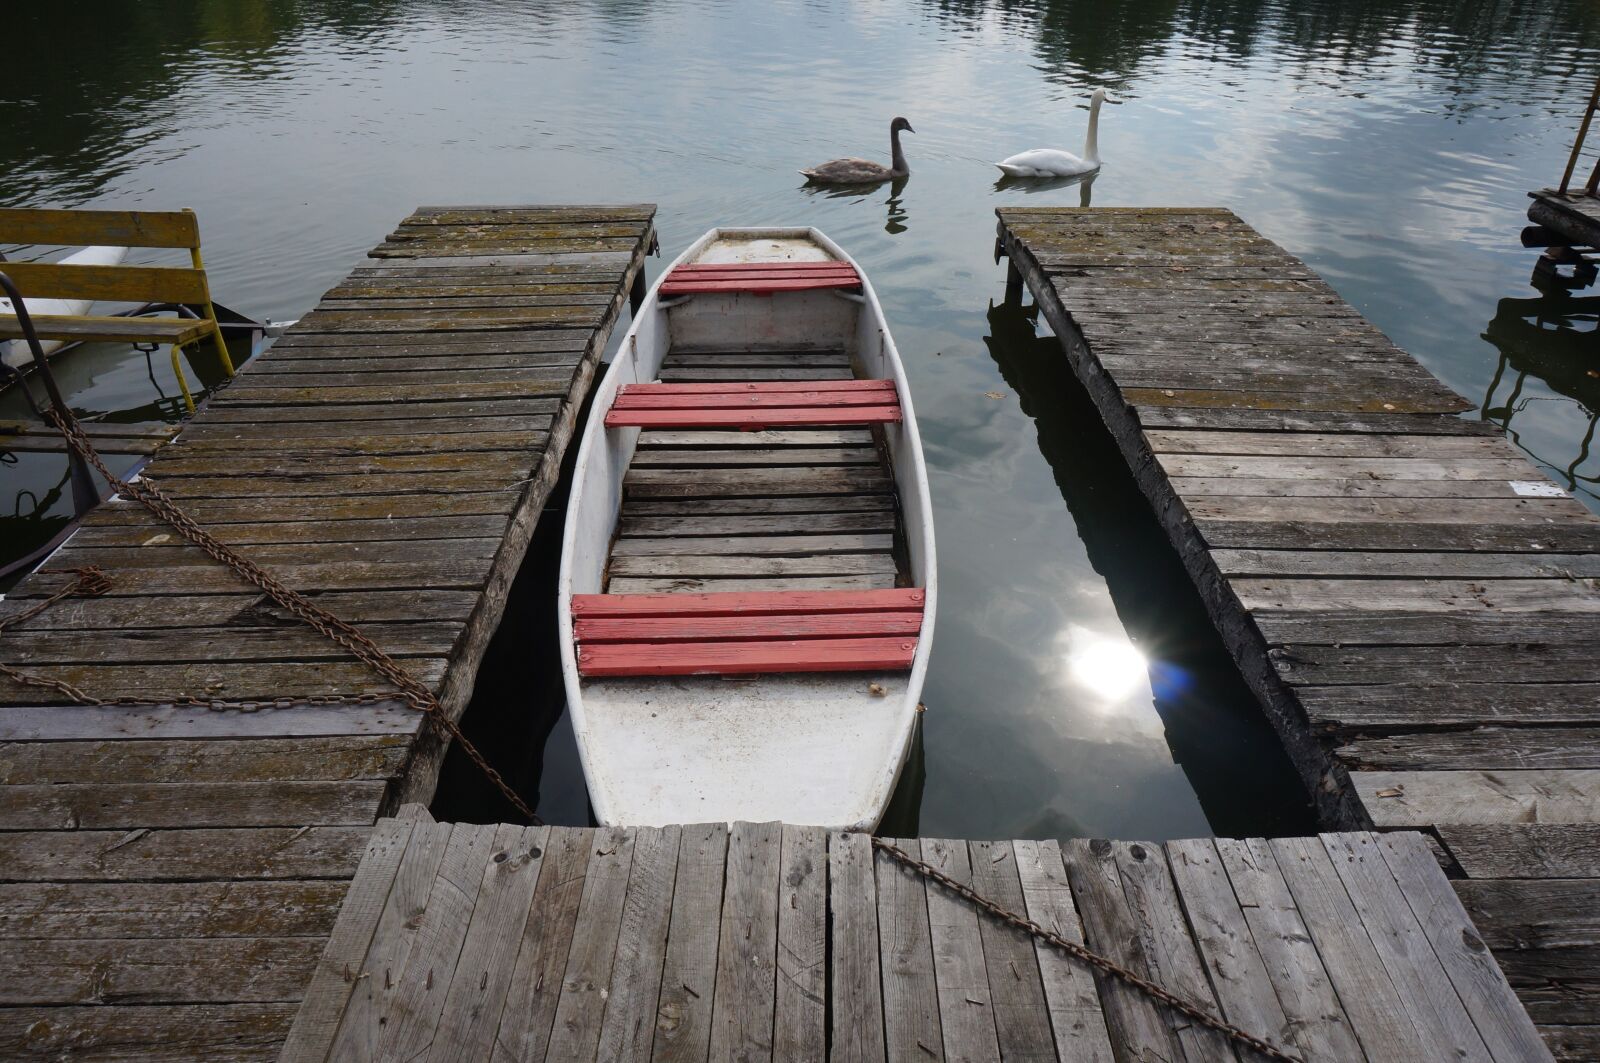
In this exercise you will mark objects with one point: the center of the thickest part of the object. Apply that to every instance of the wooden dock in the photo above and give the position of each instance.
(1574, 215)
(775, 942)
(169, 872)
(1411, 600)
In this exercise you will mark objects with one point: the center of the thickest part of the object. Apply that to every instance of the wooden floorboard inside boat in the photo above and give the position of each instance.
(169, 874)
(767, 941)
(1411, 599)
(789, 509)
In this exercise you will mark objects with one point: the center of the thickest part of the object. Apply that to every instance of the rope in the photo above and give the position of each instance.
(1264, 1048)
(341, 633)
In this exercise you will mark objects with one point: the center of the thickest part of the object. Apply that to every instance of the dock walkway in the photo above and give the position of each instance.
(1413, 602)
(169, 873)
(774, 942)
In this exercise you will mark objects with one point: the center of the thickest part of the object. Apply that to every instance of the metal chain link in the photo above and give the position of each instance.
(341, 633)
(1264, 1048)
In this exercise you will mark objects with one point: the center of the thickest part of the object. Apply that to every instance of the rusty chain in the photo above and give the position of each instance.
(1260, 1046)
(341, 633)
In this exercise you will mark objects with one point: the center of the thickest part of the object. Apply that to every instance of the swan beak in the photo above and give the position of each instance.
(909, 129)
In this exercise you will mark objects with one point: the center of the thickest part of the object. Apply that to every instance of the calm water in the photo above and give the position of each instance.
(1390, 145)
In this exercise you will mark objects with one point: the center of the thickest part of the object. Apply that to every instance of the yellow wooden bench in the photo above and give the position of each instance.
(121, 283)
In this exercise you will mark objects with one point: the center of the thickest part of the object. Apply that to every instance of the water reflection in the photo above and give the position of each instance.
(897, 218)
(1170, 656)
(1548, 347)
(1035, 185)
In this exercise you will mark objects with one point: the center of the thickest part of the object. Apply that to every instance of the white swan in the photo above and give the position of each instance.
(1052, 162)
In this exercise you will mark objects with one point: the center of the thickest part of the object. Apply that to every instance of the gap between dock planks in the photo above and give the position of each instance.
(777, 942)
(1408, 596)
(169, 874)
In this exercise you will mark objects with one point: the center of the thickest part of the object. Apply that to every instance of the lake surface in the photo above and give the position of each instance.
(1076, 686)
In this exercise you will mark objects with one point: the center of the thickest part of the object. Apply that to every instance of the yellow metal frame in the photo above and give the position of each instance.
(216, 328)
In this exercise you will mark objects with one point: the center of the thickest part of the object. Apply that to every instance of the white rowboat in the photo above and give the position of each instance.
(748, 560)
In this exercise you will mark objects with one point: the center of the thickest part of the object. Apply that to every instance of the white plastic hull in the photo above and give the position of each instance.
(817, 748)
(16, 352)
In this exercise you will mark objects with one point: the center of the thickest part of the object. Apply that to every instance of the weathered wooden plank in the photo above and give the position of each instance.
(910, 995)
(189, 761)
(247, 609)
(257, 682)
(1369, 997)
(98, 806)
(698, 566)
(430, 529)
(1021, 1015)
(1226, 944)
(697, 585)
(97, 723)
(1500, 1020)
(56, 910)
(1410, 706)
(685, 457)
(153, 971)
(24, 649)
(857, 992)
(470, 1015)
(1488, 748)
(221, 1032)
(1422, 984)
(181, 855)
(742, 1007)
(1153, 900)
(369, 1000)
(1440, 595)
(1075, 1013)
(1326, 665)
(783, 525)
(1325, 444)
(1138, 1027)
(1524, 850)
(1529, 913)
(754, 545)
(1409, 564)
(329, 990)
(628, 1028)
(544, 946)
(1317, 1023)
(800, 1018)
(965, 1016)
(410, 1017)
(689, 976)
(590, 964)
(763, 506)
(1430, 798)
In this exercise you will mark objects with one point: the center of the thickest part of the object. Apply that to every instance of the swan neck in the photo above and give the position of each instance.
(897, 157)
(1091, 143)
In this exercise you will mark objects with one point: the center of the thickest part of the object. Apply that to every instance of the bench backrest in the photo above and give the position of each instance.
(116, 228)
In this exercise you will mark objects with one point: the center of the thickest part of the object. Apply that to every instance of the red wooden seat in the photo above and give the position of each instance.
(745, 633)
(753, 405)
(761, 278)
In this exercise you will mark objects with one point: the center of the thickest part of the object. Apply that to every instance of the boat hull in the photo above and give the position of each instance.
(820, 748)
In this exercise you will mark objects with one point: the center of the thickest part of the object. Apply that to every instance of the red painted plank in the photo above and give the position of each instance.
(753, 420)
(763, 386)
(758, 277)
(748, 274)
(747, 603)
(774, 267)
(748, 400)
(692, 286)
(745, 658)
(745, 628)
